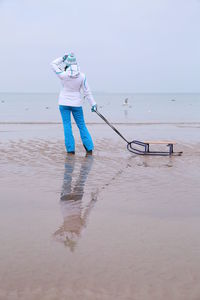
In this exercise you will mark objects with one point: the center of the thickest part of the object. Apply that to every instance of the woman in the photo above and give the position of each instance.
(70, 100)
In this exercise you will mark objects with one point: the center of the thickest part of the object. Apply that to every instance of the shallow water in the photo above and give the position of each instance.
(145, 108)
(110, 226)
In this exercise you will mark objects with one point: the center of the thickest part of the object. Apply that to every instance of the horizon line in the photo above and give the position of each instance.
(99, 92)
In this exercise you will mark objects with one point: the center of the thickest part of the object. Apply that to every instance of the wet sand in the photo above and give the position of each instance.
(112, 226)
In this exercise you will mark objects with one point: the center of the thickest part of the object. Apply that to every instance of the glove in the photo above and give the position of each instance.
(94, 108)
(65, 57)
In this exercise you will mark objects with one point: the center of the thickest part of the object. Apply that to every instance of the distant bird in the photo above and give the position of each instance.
(125, 101)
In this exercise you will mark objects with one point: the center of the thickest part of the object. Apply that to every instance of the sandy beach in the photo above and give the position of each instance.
(107, 224)
(112, 226)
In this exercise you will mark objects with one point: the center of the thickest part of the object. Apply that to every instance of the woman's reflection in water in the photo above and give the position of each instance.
(74, 214)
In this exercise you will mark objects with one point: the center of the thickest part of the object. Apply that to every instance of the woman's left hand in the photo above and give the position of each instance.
(94, 108)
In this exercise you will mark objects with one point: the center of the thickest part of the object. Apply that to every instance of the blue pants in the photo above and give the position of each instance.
(77, 113)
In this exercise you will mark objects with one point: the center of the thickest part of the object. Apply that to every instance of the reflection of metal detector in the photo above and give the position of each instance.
(143, 148)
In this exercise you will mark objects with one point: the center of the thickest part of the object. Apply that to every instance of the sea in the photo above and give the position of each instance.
(117, 108)
(107, 226)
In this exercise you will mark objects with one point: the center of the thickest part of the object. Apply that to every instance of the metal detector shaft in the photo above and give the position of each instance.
(105, 120)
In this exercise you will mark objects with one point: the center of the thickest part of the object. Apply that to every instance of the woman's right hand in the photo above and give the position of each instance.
(65, 57)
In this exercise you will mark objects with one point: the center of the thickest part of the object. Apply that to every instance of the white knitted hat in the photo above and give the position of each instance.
(71, 59)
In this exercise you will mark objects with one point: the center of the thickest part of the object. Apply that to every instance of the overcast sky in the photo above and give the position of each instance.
(121, 45)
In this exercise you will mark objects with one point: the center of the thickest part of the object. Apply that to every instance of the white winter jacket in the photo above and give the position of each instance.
(74, 85)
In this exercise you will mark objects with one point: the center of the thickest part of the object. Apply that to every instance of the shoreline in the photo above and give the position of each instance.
(100, 123)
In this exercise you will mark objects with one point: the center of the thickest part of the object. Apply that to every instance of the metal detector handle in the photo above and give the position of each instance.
(106, 121)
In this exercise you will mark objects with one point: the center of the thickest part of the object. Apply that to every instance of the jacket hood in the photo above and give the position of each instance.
(73, 70)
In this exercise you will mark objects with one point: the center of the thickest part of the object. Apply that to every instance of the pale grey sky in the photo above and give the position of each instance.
(122, 46)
